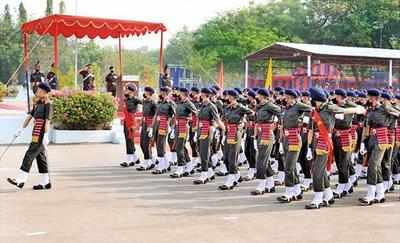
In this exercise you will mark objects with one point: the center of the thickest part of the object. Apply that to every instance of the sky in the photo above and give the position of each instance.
(175, 14)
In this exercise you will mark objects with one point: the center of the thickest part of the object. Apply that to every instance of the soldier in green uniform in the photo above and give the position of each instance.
(149, 111)
(195, 160)
(324, 122)
(40, 139)
(292, 118)
(396, 149)
(250, 148)
(342, 143)
(358, 123)
(387, 157)
(131, 107)
(233, 116)
(208, 118)
(266, 113)
(184, 110)
(216, 154)
(161, 124)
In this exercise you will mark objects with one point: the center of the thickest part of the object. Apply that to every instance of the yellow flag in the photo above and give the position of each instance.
(268, 75)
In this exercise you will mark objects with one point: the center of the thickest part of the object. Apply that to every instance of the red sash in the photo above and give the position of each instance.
(148, 120)
(37, 130)
(182, 127)
(324, 143)
(266, 133)
(194, 121)
(232, 131)
(204, 128)
(129, 122)
(162, 125)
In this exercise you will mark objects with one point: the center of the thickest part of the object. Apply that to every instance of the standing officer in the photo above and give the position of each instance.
(87, 78)
(161, 124)
(131, 107)
(52, 77)
(40, 139)
(111, 80)
(233, 116)
(149, 111)
(292, 118)
(265, 124)
(37, 77)
(208, 117)
(184, 110)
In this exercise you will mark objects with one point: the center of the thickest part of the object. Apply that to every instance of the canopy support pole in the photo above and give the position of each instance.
(26, 66)
(119, 81)
(246, 74)
(390, 72)
(308, 79)
(161, 58)
(55, 45)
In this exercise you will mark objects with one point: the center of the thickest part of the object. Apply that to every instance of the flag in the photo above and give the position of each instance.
(220, 78)
(268, 74)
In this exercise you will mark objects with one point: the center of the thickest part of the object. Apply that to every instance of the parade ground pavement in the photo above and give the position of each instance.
(94, 200)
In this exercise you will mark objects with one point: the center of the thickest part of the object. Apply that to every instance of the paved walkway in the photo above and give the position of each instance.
(94, 200)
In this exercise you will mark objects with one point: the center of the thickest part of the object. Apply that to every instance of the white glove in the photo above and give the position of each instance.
(172, 134)
(223, 139)
(195, 137)
(217, 134)
(276, 119)
(140, 130)
(362, 149)
(255, 145)
(280, 148)
(306, 119)
(150, 132)
(18, 133)
(309, 155)
(45, 140)
(360, 110)
(339, 116)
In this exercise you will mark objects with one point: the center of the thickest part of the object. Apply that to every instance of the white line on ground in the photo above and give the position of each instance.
(36, 233)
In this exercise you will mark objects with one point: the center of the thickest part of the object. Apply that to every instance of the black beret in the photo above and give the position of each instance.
(340, 92)
(131, 87)
(216, 87)
(213, 91)
(255, 89)
(305, 93)
(44, 86)
(238, 91)
(233, 92)
(263, 92)
(225, 92)
(298, 92)
(351, 94)
(374, 92)
(318, 94)
(251, 93)
(175, 87)
(386, 96)
(291, 92)
(184, 90)
(195, 89)
(149, 89)
(279, 89)
(206, 91)
(361, 95)
(397, 96)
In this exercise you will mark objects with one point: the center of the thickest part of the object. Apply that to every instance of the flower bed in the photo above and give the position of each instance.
(82, 110)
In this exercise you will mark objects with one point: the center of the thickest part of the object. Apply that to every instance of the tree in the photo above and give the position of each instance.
(49, 7)
(22, 15)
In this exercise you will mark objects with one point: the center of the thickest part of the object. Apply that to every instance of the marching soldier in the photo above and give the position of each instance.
(40, 139)
(190, 166)
(292, 144)
(324, 121)
(161, 124)
(265, 124)
(149, 111)
(184, 110)
(233, 116)
(358, 123)
(342, 144)
(131, 107)
(250, 148)
(396, 155)
(207, 119)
